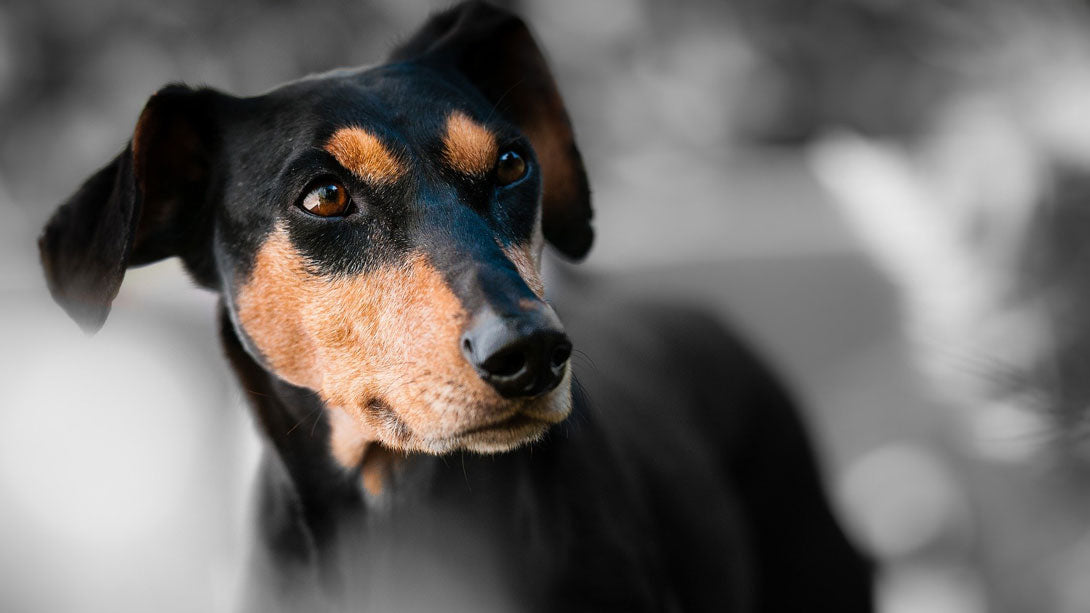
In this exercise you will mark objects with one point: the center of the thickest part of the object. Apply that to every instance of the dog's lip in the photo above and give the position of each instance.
(516, 421)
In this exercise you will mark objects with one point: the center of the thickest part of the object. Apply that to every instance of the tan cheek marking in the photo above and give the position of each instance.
(527, 268)
(268, 308)
(421, 374)
(469, 147)
(364, 154)
(381, 348)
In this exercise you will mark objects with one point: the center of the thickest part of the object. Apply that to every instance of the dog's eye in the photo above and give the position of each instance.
(328, 199)
(510, 168)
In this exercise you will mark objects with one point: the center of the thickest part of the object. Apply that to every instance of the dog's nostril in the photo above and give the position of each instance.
(560, 355)
(520, 356)
(506, 363)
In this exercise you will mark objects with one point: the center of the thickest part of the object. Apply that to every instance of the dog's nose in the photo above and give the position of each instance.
(520, 356)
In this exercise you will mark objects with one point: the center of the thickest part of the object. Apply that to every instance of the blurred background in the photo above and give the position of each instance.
(889, 197)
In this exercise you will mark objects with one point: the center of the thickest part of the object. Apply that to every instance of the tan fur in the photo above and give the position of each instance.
(469, 147)
(377, 468)
(382, 350)
(346, 442)
(365, 156)
(527, 267)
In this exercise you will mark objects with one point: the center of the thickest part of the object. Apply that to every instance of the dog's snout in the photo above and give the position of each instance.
(520, 356)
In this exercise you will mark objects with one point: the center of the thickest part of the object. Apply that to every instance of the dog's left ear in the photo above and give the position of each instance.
(496, 53)
(138, 209)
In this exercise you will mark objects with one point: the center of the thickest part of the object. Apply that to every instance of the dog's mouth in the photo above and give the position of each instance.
(503, 435)
(474, 424)
(518, 421)
(496, 436)
(514, 425)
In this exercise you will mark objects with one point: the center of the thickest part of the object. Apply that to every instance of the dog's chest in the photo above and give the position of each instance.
(519, 533)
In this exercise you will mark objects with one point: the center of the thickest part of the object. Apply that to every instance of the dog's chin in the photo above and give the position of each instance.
(504, 435)
(509, 435)
(521, 428)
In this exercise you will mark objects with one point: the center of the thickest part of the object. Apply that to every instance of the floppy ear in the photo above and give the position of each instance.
(136, 210)
(496, 53)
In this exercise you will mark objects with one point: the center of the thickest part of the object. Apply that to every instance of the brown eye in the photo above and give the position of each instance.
(510, 168)
(328, 200)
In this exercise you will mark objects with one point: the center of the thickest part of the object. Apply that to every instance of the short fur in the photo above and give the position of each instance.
(468, 146)
(680, 478)
(365, 156)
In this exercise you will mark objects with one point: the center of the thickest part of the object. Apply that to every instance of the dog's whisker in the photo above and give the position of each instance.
(496, 105)
(303, 420)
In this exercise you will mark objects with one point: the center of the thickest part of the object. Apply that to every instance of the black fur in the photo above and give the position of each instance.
(682, 481)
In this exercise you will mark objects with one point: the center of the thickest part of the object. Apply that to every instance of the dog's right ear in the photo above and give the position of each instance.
(136, 210)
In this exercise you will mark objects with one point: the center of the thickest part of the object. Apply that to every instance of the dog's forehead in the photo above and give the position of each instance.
(402, 102)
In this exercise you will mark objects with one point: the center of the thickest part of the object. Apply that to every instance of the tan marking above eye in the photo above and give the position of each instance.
(364, 155)
(469, 147)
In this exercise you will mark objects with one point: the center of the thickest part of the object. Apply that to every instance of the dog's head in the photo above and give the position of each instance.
(375, 234)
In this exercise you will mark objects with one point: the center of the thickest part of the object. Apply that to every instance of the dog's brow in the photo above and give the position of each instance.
(365, 156)
(469, 147)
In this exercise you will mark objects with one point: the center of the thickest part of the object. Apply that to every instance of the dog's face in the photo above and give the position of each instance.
(398, 210)
(375, 235)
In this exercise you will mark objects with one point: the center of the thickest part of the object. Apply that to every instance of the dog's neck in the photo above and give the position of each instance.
(294, 423)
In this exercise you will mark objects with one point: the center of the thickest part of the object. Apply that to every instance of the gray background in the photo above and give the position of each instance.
(126, 459)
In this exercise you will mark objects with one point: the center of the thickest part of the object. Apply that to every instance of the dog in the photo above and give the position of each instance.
(375, 237)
